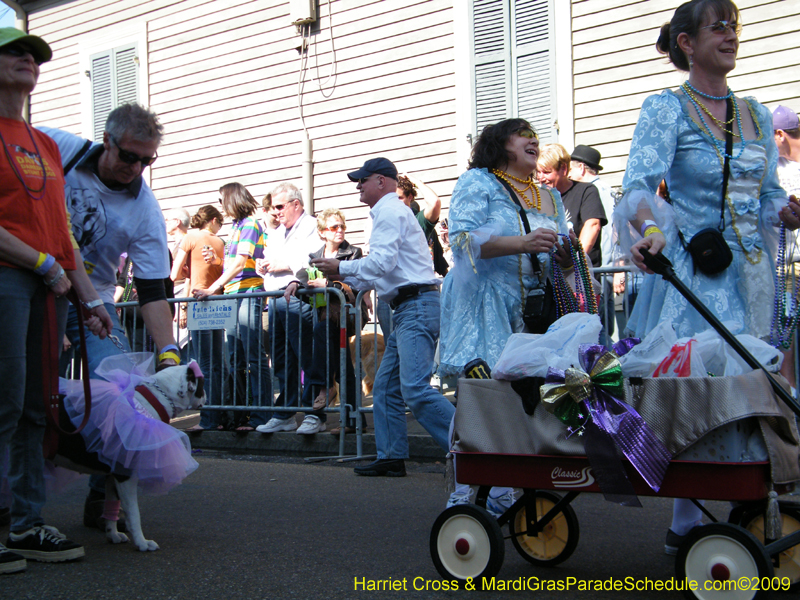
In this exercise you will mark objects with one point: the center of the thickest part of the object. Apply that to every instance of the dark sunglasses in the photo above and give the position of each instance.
(18, 52)
(336, 227)
(526, 132)
(723, 27)
(282, 206)
(130, 158)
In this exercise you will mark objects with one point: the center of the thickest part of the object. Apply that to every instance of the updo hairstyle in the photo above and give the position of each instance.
(688, 19)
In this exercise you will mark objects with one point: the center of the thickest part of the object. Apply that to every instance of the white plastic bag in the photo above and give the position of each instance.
(530, 355)
(683, 360)
(643, 358)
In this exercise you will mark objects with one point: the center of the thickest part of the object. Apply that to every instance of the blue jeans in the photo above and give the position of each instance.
(22, 415)
(96, 348)
(206, 347)
(249, 355)
(384, 318)
(96, 351)
(405, 374)
(291, 327)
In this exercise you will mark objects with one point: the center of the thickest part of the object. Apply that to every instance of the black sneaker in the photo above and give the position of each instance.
(389, 467)
(11, 562)
(673, 542)
(44, 544)
(93, 510)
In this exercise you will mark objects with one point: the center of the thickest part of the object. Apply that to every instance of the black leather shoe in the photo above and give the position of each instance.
(93, 513)
(388, 467)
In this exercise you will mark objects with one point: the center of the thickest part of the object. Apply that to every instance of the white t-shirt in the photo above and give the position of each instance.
(108, 222)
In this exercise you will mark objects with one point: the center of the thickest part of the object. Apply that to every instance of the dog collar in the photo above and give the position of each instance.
(157, 406)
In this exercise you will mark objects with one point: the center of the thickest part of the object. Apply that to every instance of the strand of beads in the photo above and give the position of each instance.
(723, 125)
(718, 144)
(583, 299)
(708, 96)
(784, 322)
(529, 185)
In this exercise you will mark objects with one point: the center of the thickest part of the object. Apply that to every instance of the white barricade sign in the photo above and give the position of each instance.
(217, 314)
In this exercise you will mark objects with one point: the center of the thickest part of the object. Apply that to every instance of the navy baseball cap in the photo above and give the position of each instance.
(380, 165)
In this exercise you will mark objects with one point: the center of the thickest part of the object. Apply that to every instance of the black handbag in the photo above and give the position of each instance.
(710, 252)
(540, 310)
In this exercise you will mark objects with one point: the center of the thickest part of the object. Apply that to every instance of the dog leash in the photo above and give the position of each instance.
(52, 398)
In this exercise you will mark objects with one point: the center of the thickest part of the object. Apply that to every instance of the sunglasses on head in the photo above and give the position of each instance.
(336, 227)
(18, 51)
(723, 27)
(130, 158)
(527, 132)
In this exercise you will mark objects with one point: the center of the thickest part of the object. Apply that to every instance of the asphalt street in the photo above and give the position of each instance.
(256, 527)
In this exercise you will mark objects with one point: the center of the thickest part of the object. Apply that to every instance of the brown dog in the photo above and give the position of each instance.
(372, 347)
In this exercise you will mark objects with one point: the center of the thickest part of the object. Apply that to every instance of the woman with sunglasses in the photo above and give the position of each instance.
(204, 345)
(484, 295)
(681, 138)
(319, 383)
(247, 352)
(39, 260)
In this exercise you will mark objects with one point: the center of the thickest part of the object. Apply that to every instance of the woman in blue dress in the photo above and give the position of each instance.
(483, 295)
(680, 138)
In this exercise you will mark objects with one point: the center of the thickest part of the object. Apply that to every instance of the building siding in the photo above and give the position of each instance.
(616, 66)
(223, 77)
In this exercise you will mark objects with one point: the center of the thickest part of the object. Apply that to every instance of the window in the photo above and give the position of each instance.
(115, 81)
(513, 63)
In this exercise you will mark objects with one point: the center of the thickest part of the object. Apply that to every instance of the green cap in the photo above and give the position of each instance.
(39, 48)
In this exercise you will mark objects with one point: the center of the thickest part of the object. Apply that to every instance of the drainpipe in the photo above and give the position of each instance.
(308, 175)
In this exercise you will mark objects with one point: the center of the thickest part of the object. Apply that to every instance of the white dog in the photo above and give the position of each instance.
(130, 409)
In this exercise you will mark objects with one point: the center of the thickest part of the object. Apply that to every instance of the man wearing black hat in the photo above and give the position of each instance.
(399, 267)
(584, 168)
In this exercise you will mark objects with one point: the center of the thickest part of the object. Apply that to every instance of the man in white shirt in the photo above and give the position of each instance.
(786, 128)
(286, 253)
(399, 268)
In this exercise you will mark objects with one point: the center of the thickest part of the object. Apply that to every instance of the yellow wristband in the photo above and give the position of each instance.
(169, 354)
(651, 229)
(40, 262)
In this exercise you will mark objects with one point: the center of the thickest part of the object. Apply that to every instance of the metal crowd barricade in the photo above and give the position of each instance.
(237, 394)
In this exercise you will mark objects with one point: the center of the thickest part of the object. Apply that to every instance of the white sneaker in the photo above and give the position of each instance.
(276, 424)
(500, 500)
(311, 424)
(459, 497)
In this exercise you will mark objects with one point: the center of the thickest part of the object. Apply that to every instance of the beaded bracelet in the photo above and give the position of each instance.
(651, 229)
(44, 264)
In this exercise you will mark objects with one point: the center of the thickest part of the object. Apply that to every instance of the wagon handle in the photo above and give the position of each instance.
(660, 265)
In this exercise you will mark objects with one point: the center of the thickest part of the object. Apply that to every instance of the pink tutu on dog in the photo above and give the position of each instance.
(122, 432)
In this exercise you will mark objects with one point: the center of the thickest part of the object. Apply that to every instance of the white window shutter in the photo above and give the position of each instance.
(512, 63)
(115, 81)
(102, 92)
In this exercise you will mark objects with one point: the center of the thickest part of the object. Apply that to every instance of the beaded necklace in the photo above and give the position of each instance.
(718, 144)
(39, 160)
(529, 185)
(785, 316)
(583, 300)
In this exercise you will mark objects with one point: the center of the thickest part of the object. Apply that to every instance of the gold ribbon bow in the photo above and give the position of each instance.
(579, 386)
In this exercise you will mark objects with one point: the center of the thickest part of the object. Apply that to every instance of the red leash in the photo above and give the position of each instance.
(52, 399)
